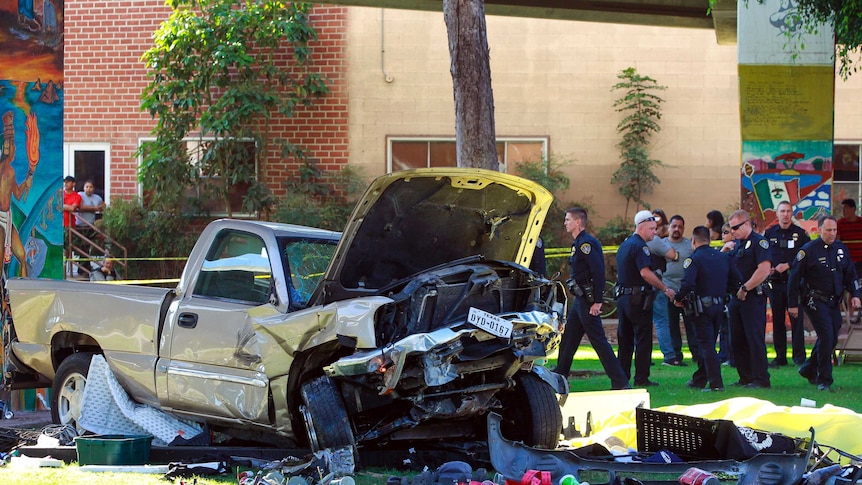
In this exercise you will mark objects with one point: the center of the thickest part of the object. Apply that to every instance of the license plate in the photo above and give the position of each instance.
(490, 323)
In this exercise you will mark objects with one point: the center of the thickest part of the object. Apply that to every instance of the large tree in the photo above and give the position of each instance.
(217, 73)
(475, 135)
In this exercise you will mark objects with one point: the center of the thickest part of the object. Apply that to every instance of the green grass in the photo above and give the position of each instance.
(787, 386)
(787, 389)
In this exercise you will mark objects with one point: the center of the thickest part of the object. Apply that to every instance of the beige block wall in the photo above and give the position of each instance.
(553, 78)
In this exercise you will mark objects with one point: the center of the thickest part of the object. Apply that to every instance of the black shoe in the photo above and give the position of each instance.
(811, 379)
(712, 389)
(757, 385)
(824, 387)
(646, 383)
(740, 383)
(777, 363)
(694, 385)
(674, 363)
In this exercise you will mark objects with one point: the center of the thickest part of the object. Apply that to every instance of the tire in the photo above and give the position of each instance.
(67, 393)
(609, 303)
(326, 419)
(531, 413)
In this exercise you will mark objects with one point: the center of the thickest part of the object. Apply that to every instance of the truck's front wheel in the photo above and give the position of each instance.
(325, 416)
(531, 413)
(67, 394)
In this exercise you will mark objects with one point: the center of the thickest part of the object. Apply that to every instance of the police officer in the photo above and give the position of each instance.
(825, 266)
(587, 284)
(708, 277)
(785, 239)
(634, 290)
(747, 307)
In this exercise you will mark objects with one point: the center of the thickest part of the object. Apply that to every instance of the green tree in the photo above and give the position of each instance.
(844, 15)
(216, 73)
(635, 177)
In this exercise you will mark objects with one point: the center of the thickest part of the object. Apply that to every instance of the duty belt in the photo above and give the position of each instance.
(628, 290)
(708, 301)
(821, 296)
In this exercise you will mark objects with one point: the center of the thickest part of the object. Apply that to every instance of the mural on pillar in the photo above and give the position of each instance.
(786, 99)
(799, 172)
(31, 164)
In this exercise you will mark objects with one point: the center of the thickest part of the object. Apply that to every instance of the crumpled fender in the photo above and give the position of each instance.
(558, 383)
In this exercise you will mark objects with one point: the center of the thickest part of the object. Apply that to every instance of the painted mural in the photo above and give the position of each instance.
(31, 109)
(799, 172)
(786, 100)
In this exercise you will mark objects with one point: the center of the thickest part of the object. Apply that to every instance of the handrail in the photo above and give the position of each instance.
(90, 250)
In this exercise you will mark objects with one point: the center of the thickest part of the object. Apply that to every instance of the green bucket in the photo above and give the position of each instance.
(113, 449)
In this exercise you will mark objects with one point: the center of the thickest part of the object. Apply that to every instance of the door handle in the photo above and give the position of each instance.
(188, 320)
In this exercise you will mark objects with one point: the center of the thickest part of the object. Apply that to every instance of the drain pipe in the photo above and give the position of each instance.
(386, 77)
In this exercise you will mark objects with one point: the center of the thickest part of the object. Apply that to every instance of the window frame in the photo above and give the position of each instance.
(838, 184)
(504, 164)
(193, 144)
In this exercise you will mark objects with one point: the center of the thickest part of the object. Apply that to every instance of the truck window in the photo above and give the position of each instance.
(306, 260)
(236, 267)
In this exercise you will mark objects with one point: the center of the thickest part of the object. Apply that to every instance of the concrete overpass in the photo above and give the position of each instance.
(668, 13)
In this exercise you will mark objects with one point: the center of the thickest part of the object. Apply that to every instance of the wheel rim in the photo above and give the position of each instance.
(70, 399)
(309, 428)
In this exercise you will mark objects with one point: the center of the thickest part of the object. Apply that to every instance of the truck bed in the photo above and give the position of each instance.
(124, 321)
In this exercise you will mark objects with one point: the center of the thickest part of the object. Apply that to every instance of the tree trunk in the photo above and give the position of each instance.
(475, 136)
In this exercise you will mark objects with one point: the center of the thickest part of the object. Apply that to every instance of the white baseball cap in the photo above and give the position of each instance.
(643, 216)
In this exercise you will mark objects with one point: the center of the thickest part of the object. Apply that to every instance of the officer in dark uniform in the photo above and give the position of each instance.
(708, 277)
(587, 284)
(822, 271)
(785, 239)
(747, 307)
(635, 295)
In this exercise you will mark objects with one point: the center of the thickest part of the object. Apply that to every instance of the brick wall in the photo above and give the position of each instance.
(104, 78)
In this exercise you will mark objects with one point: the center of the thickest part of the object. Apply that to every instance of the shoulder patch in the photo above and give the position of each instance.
(586, 248)
(800, 255)
(686, 263)
(764, 244)
(646, 250)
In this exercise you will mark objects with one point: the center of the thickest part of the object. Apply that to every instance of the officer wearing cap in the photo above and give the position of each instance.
(825, 266)
(785, 240)
(708, 276)
(587, 284)
(635, 296)
(747, 307)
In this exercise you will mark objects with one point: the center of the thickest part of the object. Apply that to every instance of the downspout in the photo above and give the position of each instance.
(386, 77)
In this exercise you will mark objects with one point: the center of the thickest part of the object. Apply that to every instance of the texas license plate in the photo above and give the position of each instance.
(490, 323)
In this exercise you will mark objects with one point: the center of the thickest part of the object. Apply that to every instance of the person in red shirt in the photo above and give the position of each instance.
(850, 233)
(71, 200)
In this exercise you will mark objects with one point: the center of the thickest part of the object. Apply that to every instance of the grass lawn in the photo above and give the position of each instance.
(787, 386)
(787, 389)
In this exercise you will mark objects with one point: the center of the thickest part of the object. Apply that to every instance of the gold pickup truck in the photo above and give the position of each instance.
(413, 324)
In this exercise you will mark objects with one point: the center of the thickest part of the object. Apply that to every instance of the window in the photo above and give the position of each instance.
(87, 161)
(202, 152)
(236, 268)
(407, 153)
(847, 177)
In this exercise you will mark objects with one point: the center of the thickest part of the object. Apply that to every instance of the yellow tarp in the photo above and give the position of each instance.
(834, 426)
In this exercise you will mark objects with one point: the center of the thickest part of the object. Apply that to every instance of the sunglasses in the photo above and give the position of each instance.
(725, 232)
(733, 228)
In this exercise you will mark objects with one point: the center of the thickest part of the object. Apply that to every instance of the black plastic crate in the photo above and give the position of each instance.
(686, 436)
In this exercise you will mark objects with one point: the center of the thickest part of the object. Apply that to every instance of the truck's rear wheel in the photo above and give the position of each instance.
(531, 413)
(67, 393)
(326, 419)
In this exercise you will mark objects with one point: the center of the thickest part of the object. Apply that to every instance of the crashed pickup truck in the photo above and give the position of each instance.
(412, 325)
